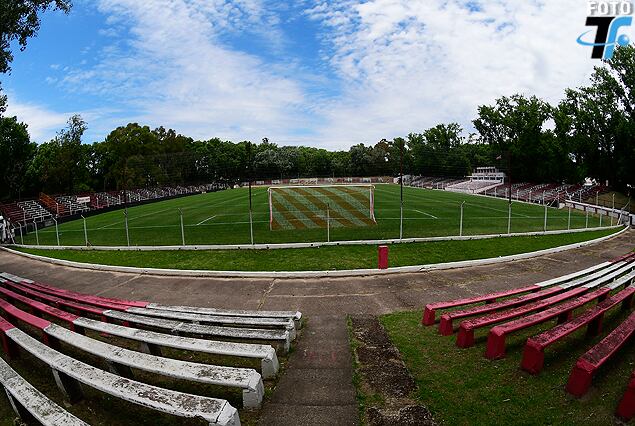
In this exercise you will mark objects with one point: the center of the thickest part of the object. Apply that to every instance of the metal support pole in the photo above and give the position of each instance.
(586, 225)
(328, 224)
(569, 220)
(509, 219)
(182, 229)
(401, 191)
(461, 221)
(545, 227)
(596, 197)
(600, 220)
(37, 237)
(85, 231)
(21, 235)
(612, 208)
(57, 232)
(125, 215)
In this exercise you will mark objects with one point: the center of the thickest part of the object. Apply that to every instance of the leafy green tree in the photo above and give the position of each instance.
(19, 21)
(16, 153)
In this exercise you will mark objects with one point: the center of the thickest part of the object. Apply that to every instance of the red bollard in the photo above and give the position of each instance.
(382, 257)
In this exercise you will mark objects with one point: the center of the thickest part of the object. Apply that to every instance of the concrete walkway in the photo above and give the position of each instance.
(316, 388)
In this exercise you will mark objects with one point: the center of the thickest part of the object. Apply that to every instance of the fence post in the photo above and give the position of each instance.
(182, 229)
(600, 220)
(586, 224)
(328, 224)
(21, 236)
(461, 221)
(85, 231)
(612, 208)
(545, 227)
(57, 232)
(596, 197)
(37, 237)
(509, 219)
(569, 220)
(125, 215)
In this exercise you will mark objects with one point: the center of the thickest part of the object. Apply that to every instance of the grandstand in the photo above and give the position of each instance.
(47, 207)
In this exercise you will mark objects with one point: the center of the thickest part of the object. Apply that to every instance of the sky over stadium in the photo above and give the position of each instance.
(322, 73)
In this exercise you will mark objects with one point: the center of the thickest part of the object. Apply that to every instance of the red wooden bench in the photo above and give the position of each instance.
(497, 335)
(465, 337)
(446, 327)
(431, 308)
(586, 366)
(626, 407)
(534, 352)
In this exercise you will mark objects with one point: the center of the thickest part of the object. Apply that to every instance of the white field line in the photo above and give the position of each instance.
(203, 221)
(427, 214)
(133, 218)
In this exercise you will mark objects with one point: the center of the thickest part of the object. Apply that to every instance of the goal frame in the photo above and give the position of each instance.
(370, 186)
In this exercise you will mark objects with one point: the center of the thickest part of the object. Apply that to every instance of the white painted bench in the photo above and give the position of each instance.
(152, 341)
(31, 404)
(256, 322)
(294, 315)
(280, 336)
(120, 361)
(69, 373)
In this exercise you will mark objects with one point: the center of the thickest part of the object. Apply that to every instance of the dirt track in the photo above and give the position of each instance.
(316, 388)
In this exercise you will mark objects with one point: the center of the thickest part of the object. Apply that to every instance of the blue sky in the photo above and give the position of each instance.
(320, 73)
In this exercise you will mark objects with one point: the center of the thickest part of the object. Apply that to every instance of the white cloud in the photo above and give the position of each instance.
(402, 65)
(411, 64)
(43, 123)
(175, 72)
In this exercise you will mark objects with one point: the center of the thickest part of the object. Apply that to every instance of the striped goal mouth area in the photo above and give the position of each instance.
(319, 206)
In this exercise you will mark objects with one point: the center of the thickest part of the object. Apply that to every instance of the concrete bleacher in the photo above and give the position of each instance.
(64, 327)
(34, 211)
(71, 204)
(589, 293)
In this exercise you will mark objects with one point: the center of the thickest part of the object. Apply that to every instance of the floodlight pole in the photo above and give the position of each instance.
(401, 191)
(125, 215)
(182, 229)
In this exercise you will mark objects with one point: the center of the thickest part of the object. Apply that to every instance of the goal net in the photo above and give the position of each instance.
(316, 206)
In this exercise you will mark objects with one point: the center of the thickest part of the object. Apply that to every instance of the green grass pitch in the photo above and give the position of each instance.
(223, 218)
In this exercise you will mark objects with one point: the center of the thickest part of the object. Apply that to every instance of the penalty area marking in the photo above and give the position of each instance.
(427, 214)
(203, 221)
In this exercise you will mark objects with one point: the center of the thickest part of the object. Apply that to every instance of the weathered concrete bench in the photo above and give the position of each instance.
(534, 352)
(151, 341)
(109, 302)
(281, 337)
(257, 322)
(69, 373)
(30, 404)
(120, 360)
(586, 366)
(465, 337)
(564, 311)
(429, 313)
(446, 327)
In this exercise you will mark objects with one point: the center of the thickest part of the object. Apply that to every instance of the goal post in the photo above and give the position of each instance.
(312, 206)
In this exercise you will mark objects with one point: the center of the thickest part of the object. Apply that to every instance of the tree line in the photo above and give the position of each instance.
(590, 133)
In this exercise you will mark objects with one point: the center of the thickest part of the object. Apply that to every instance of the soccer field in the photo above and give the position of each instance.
(223, 218)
